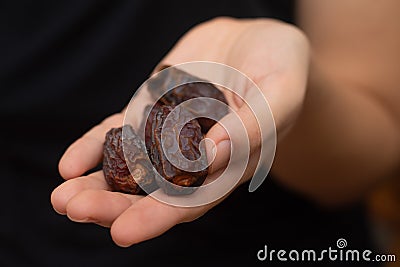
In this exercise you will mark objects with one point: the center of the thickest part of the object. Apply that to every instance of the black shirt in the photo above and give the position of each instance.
(65, 66)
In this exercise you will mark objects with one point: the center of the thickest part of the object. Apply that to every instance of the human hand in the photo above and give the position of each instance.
(273, 54)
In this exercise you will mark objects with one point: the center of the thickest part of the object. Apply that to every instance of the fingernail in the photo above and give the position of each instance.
(210, 149)
(222, 154)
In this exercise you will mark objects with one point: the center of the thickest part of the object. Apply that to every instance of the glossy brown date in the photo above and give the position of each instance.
(116, 165)
(190, 136)
(192, 87)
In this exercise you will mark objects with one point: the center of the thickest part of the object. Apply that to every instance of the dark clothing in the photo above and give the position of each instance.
(65, 66)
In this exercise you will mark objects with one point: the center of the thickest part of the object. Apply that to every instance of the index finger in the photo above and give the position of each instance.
(148, 218)
(86, 152)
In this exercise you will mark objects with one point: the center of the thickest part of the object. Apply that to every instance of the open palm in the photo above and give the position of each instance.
(273, 54)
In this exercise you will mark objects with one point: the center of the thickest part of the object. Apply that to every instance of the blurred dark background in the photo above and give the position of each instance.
(64, 67)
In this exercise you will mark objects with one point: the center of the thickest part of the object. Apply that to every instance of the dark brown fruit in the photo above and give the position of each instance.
(147, 128)
(188, 143)
(115, 164)
(192, 88)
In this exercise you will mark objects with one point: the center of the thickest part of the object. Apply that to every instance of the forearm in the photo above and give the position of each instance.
(347, 136)
(344, 141)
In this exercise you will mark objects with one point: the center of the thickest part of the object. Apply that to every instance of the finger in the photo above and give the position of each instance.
(221, 138)
(86, 152)
(148, 218)
(99, 206)
(285, 93)
(63, 193)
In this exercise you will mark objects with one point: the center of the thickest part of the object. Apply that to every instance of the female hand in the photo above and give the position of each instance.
(271, 53)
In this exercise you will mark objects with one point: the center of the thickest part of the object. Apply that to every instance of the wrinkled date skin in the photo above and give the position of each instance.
(171, 180)
(191, 88)
(115, 163)
(189, 139)
(147, 128)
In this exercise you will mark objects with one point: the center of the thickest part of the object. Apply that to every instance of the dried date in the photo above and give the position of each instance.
(147, 128)
(192, 87)
(190, 136)
(180, 138)
(117, 165)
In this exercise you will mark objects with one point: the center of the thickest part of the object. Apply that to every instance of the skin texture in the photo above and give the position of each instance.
(345, 139)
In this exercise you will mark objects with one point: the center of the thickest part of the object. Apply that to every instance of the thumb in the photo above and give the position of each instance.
(241, 123)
